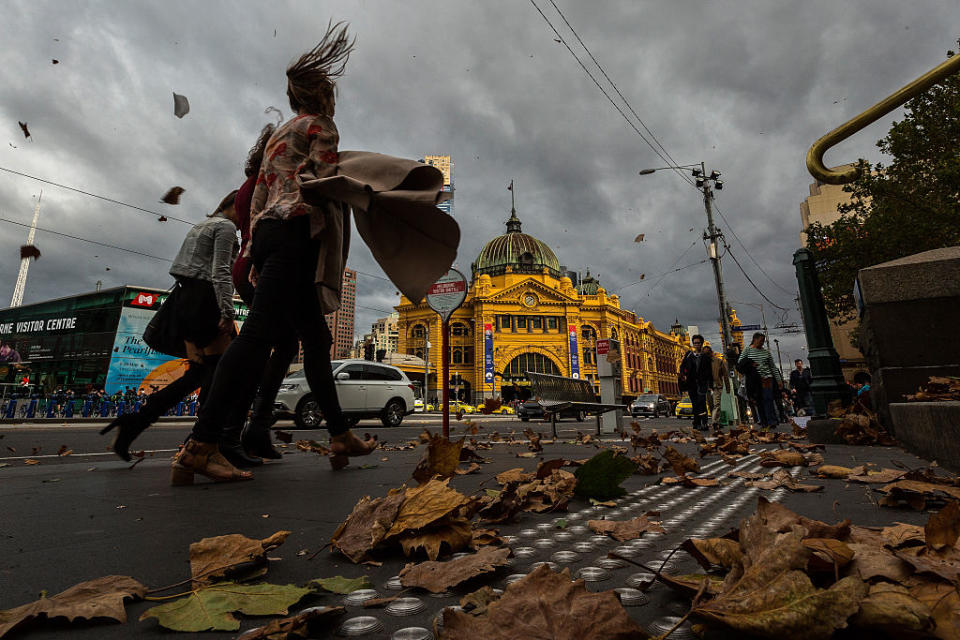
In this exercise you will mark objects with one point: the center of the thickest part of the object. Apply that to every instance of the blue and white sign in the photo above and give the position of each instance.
(488, 353)
(746, 327)
(574, 353)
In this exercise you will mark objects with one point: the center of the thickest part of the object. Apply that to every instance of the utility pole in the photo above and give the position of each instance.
(21, 286)
(426, 370)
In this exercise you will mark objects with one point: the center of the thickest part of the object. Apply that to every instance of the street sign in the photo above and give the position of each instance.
(603, 347)
(746, 327)
(447, 294)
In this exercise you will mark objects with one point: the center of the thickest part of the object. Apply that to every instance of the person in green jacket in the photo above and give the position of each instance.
(770, 380)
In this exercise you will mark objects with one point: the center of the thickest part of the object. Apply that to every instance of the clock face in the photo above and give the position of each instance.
(530, 300)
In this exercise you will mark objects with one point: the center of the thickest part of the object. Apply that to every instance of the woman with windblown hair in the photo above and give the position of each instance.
(300, 236)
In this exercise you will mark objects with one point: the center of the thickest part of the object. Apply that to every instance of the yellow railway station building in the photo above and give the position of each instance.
(524, 313)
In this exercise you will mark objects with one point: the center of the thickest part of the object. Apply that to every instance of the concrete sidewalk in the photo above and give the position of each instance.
(77, 520)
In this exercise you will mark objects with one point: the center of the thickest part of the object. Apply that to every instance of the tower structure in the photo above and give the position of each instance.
(445, 165)
(21, 285)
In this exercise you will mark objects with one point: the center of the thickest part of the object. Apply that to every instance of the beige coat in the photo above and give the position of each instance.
(394, 206)
(720, 372)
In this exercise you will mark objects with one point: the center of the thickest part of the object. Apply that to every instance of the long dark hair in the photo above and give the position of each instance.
(311, 80)
(255, 156)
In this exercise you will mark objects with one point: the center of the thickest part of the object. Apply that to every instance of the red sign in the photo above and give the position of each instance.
(441, 288)
(144, 299)
(603, 347)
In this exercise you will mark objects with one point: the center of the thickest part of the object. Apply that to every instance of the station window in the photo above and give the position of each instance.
(521, 322)
(536, 323)
(552, 324)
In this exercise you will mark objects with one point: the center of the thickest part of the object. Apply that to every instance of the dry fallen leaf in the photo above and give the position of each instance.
(455, 533)
(367, 525)
(680, 463)
(626, 529)
(943, 527)
(441, 458)
(426, 504)
(440, 576)
(545, 605)
(833, 471)
(782, 478)
(943, 600)
(26, 131)
(782, 458)
(722, 552)
(100, 598)
(213, 558)
(890, 608)
(301, 625)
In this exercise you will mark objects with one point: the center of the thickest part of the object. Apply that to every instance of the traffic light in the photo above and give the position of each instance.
(368, 351)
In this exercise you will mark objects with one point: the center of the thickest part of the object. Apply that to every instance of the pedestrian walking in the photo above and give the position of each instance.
(203, 316)
(720, 382)
(256, 433)
(801, 381)
(299, 225)
(696, 377)
(768, 376)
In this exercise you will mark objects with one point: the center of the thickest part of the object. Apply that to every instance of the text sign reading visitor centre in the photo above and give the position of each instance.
(447, 294)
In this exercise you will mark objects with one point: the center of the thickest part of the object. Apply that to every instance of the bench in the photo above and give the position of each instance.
(557, 393)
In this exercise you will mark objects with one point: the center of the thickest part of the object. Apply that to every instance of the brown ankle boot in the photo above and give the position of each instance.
(203, 458)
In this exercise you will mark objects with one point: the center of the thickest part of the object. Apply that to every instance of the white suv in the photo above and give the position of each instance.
(366, 390)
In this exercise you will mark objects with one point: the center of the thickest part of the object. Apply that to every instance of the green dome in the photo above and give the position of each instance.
(521, 252)
(588, 286)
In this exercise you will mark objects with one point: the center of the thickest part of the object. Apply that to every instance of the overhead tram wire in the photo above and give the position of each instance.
(94, 195)
(752, 283)
(101, 244)
(670, 161)
(607, 95)
(673, 163)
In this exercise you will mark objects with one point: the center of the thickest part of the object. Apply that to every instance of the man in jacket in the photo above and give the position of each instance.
(696, 378)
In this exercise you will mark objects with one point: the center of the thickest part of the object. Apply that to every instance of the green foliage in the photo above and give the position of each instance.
(339, 584)
(905, 207)
(212, 608)
(601, 475)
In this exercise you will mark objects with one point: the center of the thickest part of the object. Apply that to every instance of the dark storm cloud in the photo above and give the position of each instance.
(743, 86)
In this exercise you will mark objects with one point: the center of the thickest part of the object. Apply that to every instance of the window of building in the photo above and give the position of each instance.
(459, 329)
(589, 334)
(457, 357)
(418, 331)
(552, 324)
(467, 355)
(536, 323)
(506, 323)
(521, 322)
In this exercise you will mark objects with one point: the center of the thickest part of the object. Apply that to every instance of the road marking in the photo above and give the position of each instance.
(77, 455)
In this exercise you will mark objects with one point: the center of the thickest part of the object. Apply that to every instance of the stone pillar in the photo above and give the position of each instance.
(828, 383)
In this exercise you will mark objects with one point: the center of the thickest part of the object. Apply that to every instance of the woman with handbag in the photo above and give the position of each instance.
(300, 230)
(200, 312)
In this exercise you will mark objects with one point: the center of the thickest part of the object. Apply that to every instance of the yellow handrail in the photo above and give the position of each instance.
(842, 176)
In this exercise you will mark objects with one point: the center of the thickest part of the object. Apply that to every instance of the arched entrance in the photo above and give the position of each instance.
(515, 383)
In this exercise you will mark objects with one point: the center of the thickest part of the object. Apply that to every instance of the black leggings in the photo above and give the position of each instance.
(285, 258)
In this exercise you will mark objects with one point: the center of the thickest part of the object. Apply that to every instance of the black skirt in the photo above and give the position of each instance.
(197, 311)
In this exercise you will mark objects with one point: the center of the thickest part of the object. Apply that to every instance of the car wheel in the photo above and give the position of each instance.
(524, 419)
(581, 416)
(308, 414)
(392, 414)
(656, 414)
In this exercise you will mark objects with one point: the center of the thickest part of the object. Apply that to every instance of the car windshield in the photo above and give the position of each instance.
(647, 399)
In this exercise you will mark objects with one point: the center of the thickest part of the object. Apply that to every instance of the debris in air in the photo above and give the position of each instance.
(55, 61)
(29, 251)
(23, 127)
(172, 196)
(639, 238)
(181, 106)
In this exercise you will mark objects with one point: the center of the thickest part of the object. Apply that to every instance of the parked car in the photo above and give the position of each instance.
(652, 405)
(533, 409)
(365, 389)
(685, 408)
(418, 405)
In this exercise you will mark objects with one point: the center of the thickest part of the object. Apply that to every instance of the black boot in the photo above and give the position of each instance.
(233, 451)
(256, 433)
(129, 426)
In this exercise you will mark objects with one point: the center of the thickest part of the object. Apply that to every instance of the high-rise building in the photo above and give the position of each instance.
(821, 206)
(445, 164)
(341, 320)
(385, 335)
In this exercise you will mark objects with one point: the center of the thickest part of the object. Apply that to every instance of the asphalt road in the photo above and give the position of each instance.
(77, 517)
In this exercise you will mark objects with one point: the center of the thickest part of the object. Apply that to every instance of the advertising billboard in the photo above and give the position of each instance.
(574, 353)
(488, 353)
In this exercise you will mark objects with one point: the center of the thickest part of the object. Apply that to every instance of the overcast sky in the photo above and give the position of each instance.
(745, 87)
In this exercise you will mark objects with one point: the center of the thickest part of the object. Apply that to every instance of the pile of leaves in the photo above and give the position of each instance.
(937, 389)
(547, 489)
(858, 425)
(544, 604)
(786, 576)
(219, 589)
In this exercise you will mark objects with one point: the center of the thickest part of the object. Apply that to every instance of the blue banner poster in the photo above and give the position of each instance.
(133, 363)
(574, 353)
(488, 354)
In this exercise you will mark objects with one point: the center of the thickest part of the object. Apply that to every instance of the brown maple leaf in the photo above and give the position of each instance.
(782, 478)
(890, 608)
(943, 527)
(367, 525)
(302, 625)
(722, 552)
(426, 504)
(680, 463)
(100, 598)
(545, 605)
(440, 576)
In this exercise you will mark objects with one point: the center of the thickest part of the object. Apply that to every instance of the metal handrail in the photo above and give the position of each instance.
(839, 175)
